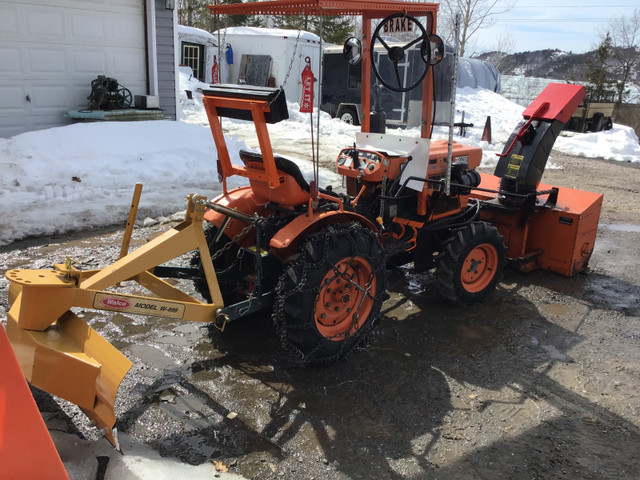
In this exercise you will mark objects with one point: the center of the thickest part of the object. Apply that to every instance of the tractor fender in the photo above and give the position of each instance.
(241, 199)
(285, 242)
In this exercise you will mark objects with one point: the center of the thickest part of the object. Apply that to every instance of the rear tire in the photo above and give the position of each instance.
(330, 293)
(470, 264)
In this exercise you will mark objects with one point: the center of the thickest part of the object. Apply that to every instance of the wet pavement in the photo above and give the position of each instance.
(540, 381)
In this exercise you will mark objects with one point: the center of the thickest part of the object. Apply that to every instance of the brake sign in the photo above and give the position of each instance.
(398, 25)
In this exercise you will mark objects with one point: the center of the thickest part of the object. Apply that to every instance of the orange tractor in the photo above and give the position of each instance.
(318, 257)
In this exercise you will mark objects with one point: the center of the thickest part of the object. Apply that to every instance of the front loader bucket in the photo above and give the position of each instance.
(65, 357)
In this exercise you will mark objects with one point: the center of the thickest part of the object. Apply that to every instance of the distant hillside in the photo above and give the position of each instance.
(547, 64)
(541, 63)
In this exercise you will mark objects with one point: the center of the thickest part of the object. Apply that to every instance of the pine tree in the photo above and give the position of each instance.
(194, 13)
(334, 29)
(600, 88)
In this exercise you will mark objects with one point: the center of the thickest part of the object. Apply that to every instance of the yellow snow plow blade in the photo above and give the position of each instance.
(58, 352)
(68, 358)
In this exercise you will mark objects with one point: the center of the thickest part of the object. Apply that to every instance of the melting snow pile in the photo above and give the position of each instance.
(82, 175)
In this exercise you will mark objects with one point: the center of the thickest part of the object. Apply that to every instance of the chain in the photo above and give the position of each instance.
(383, 192)
(286, 77)
(293, 58)
(301, 289)
(231, 242)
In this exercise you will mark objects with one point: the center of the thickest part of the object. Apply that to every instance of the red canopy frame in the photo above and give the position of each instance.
(368, 10)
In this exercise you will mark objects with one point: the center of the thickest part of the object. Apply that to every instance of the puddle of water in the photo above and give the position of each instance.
(178, 341)
(622, 227)
(152, 356)
(555, 309)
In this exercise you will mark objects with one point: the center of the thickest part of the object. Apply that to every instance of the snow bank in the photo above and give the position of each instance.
(82, 175)
(620, 144)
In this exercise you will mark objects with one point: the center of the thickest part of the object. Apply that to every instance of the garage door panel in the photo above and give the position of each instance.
(87, 26)
(10, 126)
(125, 31)
(49, 98)
(125, 63)
(44, 23)
(10, 61)
(11, 99)
(8, 19)
(90, 61)
(47, 61)
(48, 120)
(116, 6)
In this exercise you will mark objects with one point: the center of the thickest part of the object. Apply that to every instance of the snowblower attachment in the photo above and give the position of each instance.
(546, 227)
(58, 352)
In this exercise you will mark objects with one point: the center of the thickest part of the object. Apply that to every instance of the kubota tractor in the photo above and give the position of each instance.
(318, 257)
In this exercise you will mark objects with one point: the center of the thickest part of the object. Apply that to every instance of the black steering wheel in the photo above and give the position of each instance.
(395, 54)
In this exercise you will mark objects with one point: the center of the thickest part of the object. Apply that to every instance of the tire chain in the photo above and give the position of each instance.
(281, 297)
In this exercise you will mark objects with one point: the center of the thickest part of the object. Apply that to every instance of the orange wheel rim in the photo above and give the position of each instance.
(479, 268)
(345, 298)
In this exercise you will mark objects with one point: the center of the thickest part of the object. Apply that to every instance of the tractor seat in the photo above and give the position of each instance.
(293, 191)
(283, 164)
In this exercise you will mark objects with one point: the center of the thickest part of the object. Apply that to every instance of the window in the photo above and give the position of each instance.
(192, 56)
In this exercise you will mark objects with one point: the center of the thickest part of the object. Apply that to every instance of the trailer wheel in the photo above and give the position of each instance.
(470, 263)
(330, 293)
(598, 122)
(608, 124)
(350, 115)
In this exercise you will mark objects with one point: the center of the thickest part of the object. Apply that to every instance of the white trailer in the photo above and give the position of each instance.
(198, 50)
(262, 56)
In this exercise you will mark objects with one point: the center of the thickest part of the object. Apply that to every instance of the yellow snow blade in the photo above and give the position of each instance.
(67, 358)
(60, 353)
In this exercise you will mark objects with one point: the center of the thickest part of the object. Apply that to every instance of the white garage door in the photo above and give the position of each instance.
(51, 50)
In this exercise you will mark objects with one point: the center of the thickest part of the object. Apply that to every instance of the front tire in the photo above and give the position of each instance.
(330, 293)
(470, 263)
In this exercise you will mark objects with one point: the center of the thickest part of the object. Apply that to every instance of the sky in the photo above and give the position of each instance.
(567, 25)
(81, 181)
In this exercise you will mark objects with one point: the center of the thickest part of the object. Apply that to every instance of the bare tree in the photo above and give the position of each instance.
(476, 14)
(505, 44)
(625, 39)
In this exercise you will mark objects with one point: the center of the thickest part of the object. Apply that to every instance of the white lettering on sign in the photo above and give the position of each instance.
(398, 25)
(131, 304)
